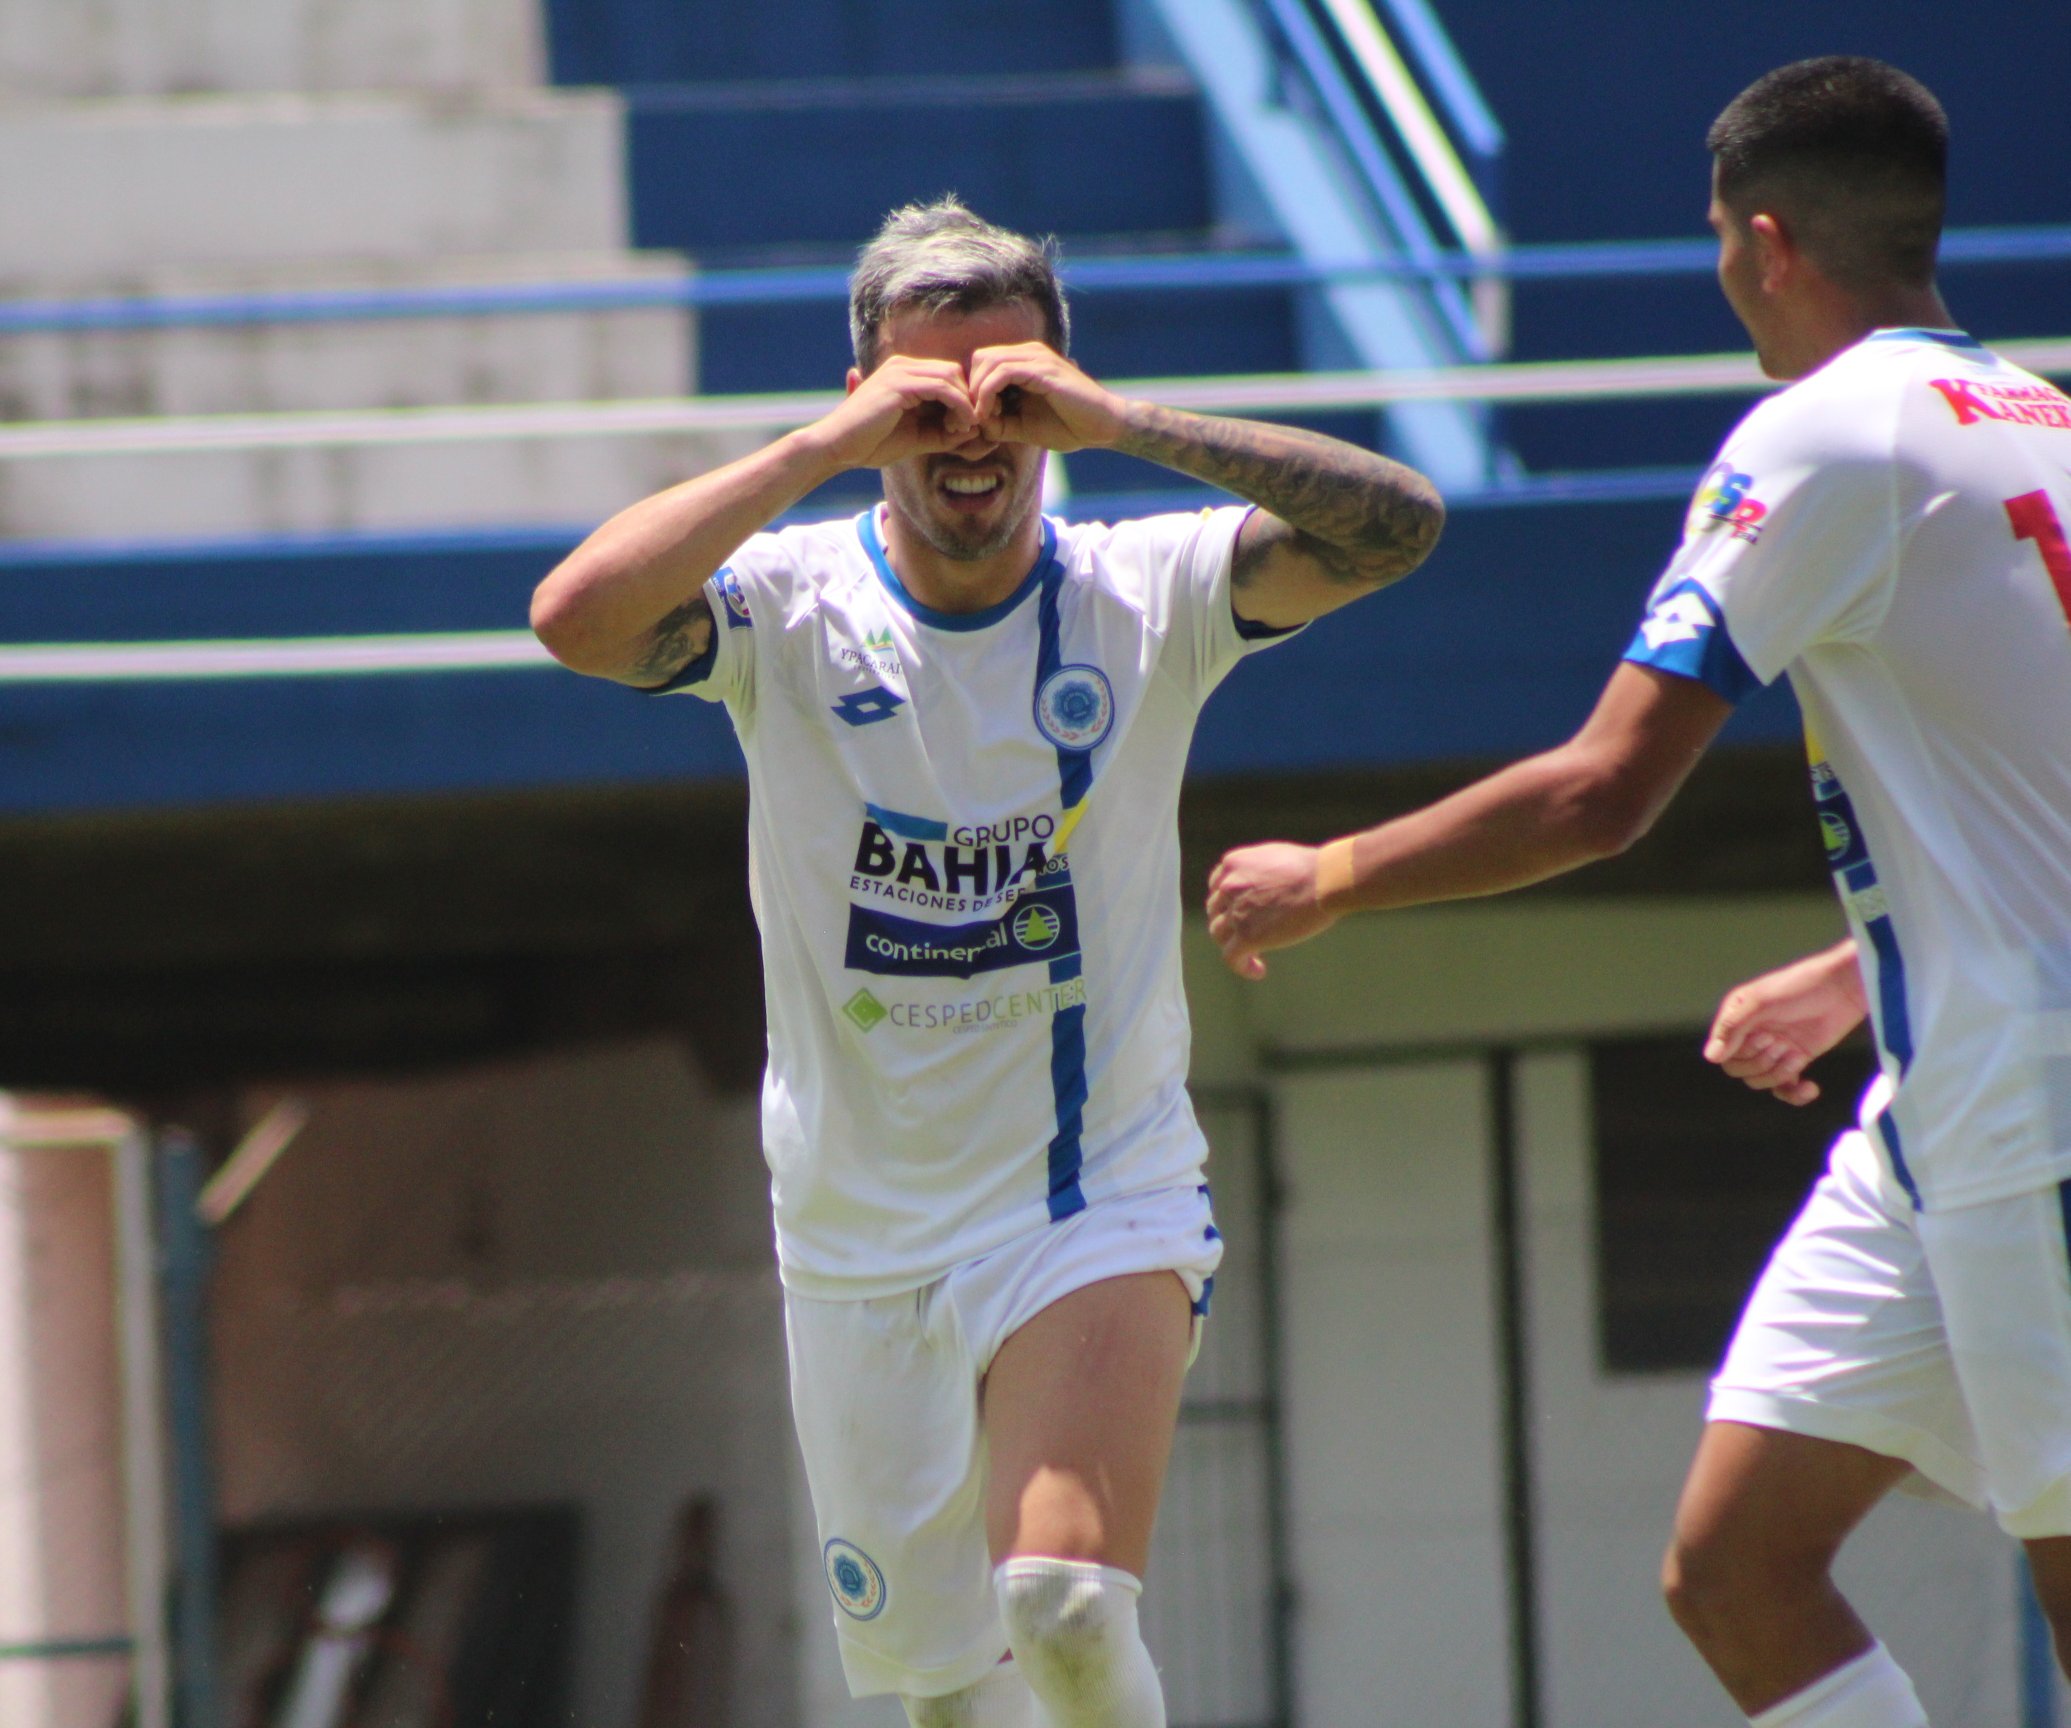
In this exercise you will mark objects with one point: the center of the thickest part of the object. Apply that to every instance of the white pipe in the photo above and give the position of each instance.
(136, 1291)
(1443, 170)
(1281, 393)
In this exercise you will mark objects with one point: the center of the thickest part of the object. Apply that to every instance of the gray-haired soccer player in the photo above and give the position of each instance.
(1890, 531)
(965, 728)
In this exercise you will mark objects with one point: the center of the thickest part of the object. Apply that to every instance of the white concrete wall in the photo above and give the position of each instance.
(1391, 1348)
(101, 192)
(545, 1282)
(573, 483)
(1392, 1416)
(55, 49)
(1610, 1451)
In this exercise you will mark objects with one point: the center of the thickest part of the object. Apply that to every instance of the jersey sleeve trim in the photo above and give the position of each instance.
(1684, 634)
(1253, 631)
(695, 673)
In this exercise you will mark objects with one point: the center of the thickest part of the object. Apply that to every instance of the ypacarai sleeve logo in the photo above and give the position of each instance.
(1075, 707)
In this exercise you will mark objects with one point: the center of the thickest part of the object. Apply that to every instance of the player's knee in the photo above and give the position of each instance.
(1073, 1629)
(1715, 1580)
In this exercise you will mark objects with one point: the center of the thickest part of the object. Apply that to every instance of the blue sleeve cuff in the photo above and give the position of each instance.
(1684, 634)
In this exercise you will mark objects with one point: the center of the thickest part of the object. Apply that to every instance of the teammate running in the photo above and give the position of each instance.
(965, 727)
(1890, 531)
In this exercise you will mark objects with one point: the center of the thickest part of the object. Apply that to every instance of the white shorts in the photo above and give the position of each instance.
(1939, 1338)
(885, 1394)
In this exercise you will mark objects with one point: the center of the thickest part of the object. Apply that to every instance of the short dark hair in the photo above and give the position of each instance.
(942, 258)
(1853, 154)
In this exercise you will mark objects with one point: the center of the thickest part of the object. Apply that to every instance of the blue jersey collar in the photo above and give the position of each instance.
(873, 543)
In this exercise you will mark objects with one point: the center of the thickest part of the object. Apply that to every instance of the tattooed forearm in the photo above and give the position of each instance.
(675, 642)
(1364, 519)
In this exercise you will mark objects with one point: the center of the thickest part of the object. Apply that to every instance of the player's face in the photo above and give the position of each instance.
(971, 502)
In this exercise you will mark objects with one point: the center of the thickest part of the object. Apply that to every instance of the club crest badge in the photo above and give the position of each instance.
(858, 1585)
(1075, 707)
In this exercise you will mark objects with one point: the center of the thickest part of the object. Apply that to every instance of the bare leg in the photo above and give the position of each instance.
(1080, 1407)
(1748, 1573)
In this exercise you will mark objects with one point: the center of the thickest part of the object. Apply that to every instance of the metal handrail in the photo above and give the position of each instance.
(1395, 202)
(1589, 260)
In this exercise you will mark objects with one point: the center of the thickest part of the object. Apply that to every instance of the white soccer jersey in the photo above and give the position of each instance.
(964, 858)
(1891, 531)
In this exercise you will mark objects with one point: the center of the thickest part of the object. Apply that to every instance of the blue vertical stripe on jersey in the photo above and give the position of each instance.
(1887, 1130)
(1855, 874)
(1068, 1025)
(2064, 1206)
(1893, 1019)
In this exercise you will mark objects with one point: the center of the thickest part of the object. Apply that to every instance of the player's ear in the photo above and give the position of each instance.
(1775, 249)
(855, 378)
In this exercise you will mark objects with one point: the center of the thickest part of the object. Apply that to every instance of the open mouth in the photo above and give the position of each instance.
(978, 485)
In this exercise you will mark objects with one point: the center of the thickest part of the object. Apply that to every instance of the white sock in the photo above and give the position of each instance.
(1073, 1629)
(1001, 1700)
(1871, 1691)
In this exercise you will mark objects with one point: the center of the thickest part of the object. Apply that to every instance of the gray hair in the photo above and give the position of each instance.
(942, 258)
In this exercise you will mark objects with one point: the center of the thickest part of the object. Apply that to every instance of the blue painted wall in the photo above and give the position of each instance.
(1497, 646)
(1606, 103)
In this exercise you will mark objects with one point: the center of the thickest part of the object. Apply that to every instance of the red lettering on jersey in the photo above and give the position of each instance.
(2034, 518)
(1967, 402)
(1972, 400)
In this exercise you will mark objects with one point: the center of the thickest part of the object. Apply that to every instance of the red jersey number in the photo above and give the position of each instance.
(2035, 518)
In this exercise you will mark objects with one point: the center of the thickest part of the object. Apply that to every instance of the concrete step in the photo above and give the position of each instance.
(392, 362)
(663, 41)
(574, 483)
(93, 187)
(60, 49)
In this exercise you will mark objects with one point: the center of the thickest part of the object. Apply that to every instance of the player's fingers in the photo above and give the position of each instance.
(1728, 1027)
(1252, 966)
(1800, 1092)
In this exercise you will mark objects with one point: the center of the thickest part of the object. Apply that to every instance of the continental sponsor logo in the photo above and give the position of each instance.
(1975, 399)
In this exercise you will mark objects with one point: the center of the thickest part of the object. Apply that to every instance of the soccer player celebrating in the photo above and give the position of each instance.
(1890, 531)
(965, 727)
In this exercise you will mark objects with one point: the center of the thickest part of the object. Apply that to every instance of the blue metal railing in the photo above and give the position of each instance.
(1396, 205)
(1597, 260)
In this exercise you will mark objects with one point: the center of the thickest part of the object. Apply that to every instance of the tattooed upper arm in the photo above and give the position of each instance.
(676, 640)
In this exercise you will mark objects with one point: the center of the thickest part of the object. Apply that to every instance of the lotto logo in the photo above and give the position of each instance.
(866, 707)
(1682, 617)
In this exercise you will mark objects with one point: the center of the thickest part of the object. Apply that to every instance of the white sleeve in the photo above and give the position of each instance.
(1793, 540)
(1177, 568)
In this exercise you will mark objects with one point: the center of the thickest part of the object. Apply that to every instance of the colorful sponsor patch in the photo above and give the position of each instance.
(734, 600)
(1724, 501)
